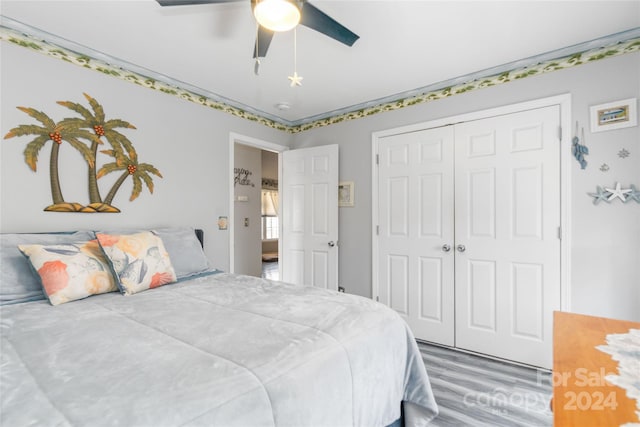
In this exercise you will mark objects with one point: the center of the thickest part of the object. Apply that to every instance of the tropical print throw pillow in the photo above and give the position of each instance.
(139, 260)
(69, 272)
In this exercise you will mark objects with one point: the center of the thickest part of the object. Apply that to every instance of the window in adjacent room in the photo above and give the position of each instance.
(270, 229)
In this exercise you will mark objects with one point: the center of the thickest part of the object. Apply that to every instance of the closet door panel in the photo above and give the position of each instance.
(415, 189)
(507, 215)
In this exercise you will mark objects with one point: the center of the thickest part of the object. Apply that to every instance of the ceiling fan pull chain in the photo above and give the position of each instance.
(296, 80)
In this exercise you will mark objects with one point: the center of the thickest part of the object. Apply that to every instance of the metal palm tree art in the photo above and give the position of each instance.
(96, 122)
(139, 172)
(90, 127)
(56, 133)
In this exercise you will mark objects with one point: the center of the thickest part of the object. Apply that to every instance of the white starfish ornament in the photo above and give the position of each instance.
(618, 192)
(296, 80)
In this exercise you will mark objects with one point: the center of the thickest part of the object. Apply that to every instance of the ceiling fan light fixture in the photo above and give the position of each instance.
(277, 15)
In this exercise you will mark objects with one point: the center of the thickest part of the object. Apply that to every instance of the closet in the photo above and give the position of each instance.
(468, 243)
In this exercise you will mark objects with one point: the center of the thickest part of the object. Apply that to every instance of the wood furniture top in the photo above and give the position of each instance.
(581, 395)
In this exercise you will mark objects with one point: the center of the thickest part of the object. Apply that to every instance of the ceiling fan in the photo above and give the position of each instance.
(295, 12)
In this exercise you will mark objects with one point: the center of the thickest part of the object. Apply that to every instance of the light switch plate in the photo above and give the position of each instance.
(222, 223)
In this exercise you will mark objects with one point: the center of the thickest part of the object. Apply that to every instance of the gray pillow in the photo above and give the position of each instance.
(182, 244)
(18, 283)
(185, 251)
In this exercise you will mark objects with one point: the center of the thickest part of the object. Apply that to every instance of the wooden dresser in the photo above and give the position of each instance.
(581, 395)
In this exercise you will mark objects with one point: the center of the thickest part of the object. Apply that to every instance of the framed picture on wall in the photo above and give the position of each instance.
(614, 115)
(345, 194)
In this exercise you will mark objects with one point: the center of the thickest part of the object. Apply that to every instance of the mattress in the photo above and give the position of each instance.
(219, 349)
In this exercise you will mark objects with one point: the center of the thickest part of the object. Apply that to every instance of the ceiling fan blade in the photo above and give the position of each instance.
(192, 2)
(316, 19)
(263, 40)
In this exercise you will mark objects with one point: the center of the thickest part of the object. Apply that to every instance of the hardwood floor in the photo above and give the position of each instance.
(270, 270)
(476, 391)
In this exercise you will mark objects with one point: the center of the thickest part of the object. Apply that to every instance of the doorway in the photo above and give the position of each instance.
(269, 216)
(307, 219)
(255, 224)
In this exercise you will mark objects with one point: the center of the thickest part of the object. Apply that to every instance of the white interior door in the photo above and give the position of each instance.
(310, 216)
(507, 210)
(415, 189)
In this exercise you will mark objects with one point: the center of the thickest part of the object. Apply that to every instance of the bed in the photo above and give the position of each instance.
(207, 348)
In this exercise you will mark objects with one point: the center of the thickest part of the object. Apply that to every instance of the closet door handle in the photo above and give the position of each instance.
(446, 248)
(461, 248)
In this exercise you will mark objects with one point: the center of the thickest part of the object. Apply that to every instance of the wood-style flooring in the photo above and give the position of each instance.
(270, 270)
(476, 391)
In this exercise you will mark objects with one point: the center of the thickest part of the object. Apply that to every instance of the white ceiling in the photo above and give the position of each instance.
(403, 46)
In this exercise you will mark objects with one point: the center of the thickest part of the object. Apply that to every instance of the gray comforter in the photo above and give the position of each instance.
(217, 350)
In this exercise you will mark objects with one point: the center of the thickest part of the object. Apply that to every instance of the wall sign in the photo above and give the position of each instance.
(242, 177)
(86, 134)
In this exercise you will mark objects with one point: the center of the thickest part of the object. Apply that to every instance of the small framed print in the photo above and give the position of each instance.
(345, 194)
(614, 115)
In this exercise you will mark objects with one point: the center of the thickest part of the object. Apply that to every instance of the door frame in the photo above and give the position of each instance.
(236, 138)
(564, 102)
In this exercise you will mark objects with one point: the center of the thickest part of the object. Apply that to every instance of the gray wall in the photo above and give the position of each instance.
(269, 164)
(605, 238)
(270, 171)
(188, 143)
(247, 236)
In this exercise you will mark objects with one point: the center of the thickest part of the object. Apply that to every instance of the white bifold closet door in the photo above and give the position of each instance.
(469, 221)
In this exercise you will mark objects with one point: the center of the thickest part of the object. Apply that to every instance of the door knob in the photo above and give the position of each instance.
(446, 248)
(331, 244)
(461, 248)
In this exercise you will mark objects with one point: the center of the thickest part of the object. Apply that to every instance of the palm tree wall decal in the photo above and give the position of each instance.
(90, 127)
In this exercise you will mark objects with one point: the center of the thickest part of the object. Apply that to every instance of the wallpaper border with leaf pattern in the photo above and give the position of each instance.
(534, 68)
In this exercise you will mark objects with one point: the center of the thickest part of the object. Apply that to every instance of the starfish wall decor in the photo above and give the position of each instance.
(609, 194)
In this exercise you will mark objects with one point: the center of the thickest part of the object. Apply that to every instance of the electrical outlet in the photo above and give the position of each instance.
(246, 222)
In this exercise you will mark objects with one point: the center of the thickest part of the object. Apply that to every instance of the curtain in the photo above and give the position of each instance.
(269, 203)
